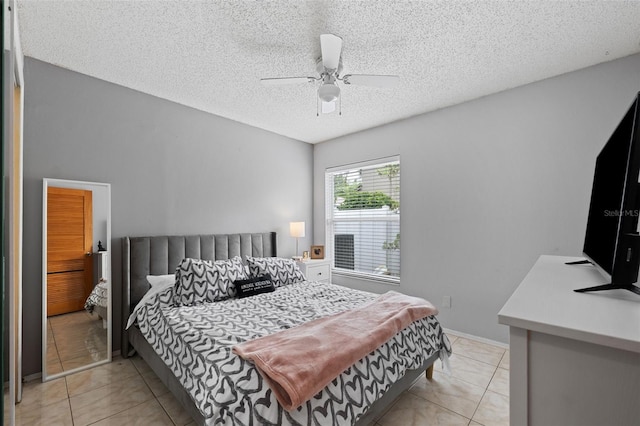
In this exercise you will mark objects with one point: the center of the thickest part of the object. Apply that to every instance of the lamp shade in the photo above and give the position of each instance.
(296, 229)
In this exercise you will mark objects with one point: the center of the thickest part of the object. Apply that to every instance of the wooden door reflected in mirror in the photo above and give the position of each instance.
(69, 249)
(76, 276)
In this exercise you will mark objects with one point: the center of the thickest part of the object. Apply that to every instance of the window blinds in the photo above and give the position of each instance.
(363, 218)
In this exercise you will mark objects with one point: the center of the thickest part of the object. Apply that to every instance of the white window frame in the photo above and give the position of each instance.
(329, 222)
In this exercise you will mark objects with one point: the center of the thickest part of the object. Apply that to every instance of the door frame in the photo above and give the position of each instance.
(12, 153)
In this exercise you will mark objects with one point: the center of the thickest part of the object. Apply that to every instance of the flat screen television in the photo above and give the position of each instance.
(612, 241)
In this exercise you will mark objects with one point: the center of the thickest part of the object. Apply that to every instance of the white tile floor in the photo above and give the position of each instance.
(127, 392)
(73, 340)
(476, 392)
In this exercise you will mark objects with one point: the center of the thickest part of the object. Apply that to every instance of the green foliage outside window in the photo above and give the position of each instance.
(354, 198)
(367, 200)
(393, 245)
(391, 171)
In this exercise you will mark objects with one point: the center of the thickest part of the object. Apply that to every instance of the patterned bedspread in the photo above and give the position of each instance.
(195, 342)
(98, 297)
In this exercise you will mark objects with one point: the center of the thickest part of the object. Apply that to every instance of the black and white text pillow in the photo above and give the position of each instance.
(200, 281)
(253, 286)
(283, 271)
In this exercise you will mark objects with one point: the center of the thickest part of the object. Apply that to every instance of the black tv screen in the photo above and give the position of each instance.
(612, 241)
(607, 209)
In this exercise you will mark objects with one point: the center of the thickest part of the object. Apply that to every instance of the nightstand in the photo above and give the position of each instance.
(316, 270)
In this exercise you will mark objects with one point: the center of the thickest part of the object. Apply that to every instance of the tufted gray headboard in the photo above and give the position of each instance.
(160, 255)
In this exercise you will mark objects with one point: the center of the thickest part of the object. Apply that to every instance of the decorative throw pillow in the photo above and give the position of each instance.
(283, 271)
(200, 281)
(254, 285)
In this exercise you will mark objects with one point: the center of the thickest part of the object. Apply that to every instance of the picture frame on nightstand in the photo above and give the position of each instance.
(317, 252)
(305, 255)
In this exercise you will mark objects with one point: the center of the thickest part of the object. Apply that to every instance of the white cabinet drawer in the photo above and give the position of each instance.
(318, 273)
(316, 270)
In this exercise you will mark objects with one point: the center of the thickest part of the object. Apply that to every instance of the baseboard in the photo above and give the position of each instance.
(31, 377)
(37, 376)
(476, 338)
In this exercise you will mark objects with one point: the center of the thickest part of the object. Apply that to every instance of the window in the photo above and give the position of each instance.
(363, 219)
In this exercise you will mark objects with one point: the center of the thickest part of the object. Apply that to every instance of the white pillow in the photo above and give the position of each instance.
(161, 280)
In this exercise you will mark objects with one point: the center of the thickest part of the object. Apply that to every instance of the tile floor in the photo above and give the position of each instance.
(476, 392)
(74, 340)
(127, 392)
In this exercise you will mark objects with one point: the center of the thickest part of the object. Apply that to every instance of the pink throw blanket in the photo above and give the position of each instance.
(299, 362)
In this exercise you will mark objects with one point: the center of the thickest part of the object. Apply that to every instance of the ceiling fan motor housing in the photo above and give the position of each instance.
(322, 70)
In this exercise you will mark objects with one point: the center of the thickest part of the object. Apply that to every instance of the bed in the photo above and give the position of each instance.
(188, 350)
(97, 302)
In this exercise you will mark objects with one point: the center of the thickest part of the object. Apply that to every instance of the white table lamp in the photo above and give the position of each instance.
(296, 230)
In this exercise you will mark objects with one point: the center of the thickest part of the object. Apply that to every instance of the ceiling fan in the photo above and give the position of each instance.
(329, 67)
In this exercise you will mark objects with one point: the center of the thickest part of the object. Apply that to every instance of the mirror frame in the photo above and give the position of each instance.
(46, 182)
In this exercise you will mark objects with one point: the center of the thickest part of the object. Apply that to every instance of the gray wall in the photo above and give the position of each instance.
(489, 185)
(172, 170)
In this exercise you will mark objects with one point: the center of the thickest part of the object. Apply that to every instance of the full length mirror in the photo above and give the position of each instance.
(76, 276)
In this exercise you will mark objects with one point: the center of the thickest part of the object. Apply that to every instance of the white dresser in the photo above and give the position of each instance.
(575, 357)
(316, 270)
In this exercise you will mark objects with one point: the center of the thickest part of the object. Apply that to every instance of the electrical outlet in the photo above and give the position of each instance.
(446, 302)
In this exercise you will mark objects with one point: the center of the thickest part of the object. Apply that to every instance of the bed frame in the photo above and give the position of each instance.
(160, 255)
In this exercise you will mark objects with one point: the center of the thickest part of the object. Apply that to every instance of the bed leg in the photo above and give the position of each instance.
(429, 372)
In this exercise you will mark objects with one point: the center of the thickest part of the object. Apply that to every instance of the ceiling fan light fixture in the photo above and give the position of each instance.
(328, 107)
(328, 92)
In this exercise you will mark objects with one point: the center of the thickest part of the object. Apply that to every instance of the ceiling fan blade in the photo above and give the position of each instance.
(331, 47)
(281, 81)
(328, 107)
(372, 80)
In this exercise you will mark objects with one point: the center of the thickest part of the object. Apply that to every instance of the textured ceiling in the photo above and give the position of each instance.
(210, 55)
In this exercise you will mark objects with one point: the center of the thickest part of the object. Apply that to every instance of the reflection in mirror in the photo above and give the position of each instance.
(76, 271)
